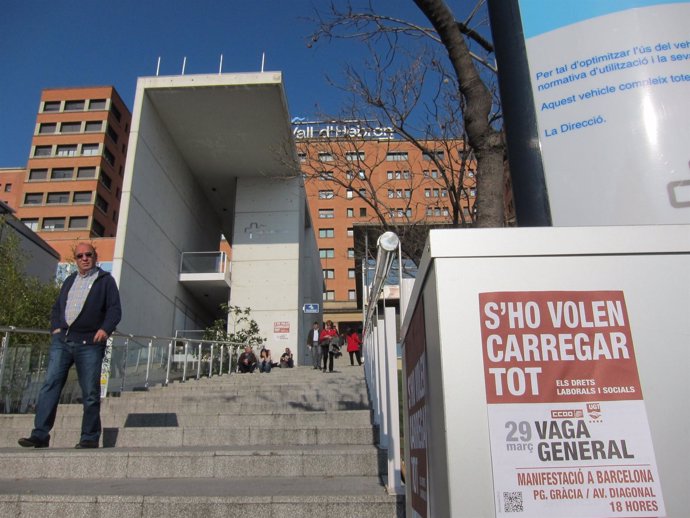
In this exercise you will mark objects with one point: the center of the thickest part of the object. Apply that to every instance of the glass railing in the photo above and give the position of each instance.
(131, 363)
(203, 262)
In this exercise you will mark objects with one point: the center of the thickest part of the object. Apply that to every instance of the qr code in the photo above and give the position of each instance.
(512, 502)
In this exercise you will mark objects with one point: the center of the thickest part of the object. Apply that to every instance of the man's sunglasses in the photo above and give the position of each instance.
(85, 254)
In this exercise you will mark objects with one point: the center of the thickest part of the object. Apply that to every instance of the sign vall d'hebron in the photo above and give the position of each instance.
(568, 425)
(351, 129)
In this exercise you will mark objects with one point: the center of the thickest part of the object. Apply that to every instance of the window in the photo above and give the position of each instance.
(429, 211)
(111, 133)
(325, 195)
(329, 295)
(97, 104)
(391, 193)
(350, 273)
(66, 150)
(302, 157)
(51, 106)
(398, 193)
(363, 193)
(53, 224)
(444, 193)
(408, 212)
(43, 151)
(63, 173)
(362, 175)
(33, 198)
(326, 232)
(428, 156)
(351, 295)
(81, 197)
(74, 105)
(445, 211)
(58, 197)
(89, 149)
(473, 192)
(396, 156)
(362, 212)
(350, 175)
(350, 232)
(116, 113)
(47, 127)
(434, 173)
(38, 174)
(353, 156)
(350, 213)
(78, 222)
(109, 157)
(101, 203)
(408, 193)
(427, 193)
(435, 191)
(326, 253)
(326, 175)
(8, 187)
(97, 228)
(349, 194)
(406, 175)
(86, 172)
(70, 127)
(105, 180)
(32, 223)
(389, 175)
(325, 157)
(350, 252)
(329, 274)
(470, 174)
(437, 211)
(326, 214)
(93, 126)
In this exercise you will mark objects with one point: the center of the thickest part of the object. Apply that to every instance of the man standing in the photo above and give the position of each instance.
(313, 344)
(83, 316)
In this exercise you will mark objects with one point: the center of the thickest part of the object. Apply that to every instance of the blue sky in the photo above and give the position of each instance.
(65, 43)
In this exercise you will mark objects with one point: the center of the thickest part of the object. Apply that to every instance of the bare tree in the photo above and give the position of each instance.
(406, 83)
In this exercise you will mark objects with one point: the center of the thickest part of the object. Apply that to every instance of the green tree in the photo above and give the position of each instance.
(237, 327)
(26, 301)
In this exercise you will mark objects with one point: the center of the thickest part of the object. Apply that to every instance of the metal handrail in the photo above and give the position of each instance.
(381, 369)
(132, 362)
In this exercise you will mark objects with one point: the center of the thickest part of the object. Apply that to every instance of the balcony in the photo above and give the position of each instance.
(207, 276)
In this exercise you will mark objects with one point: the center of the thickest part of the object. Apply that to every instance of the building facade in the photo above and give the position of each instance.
(73, 179)
(371, 178)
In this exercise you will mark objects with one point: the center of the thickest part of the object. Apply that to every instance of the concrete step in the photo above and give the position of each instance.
(126, 419)
(192, 462)
(274, 497)
(198, 436)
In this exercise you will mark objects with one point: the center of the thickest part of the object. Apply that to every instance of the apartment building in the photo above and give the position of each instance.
(12, 185)
(355, 180)
(73, 179)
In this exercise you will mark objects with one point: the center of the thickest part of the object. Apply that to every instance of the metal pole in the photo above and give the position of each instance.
(184, 368)
(167, 368)
(149, 349)
(198, 362)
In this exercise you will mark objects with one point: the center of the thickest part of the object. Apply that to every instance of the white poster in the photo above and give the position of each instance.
(567, 420)
(611, 85)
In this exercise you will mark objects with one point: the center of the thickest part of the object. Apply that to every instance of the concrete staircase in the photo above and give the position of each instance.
(293, 443)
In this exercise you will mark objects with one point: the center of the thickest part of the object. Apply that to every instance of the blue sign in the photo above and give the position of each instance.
(310, 308)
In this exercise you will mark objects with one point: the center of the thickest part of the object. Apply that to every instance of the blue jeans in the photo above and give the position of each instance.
(87, 359)
(265, 366)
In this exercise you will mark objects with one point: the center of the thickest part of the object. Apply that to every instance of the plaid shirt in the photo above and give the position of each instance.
(78, 293)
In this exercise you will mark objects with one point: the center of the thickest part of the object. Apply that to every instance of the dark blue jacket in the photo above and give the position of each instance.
(101, 309)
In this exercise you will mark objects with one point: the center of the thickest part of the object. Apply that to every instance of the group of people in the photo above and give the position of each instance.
(248, 362)
(325, 344)
(85, 314)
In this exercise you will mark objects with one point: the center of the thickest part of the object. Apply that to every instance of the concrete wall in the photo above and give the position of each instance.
(163, 213)
(270, 239)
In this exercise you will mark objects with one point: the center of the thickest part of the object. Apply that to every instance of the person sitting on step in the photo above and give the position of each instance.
(246, 361)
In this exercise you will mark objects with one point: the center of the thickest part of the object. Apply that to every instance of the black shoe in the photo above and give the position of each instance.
(87, 444)
(33, 442)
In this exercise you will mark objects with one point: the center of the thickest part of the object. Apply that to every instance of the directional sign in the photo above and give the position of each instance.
(310, 308)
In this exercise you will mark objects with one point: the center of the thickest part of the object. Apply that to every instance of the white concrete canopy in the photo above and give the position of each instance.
(200, 148)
